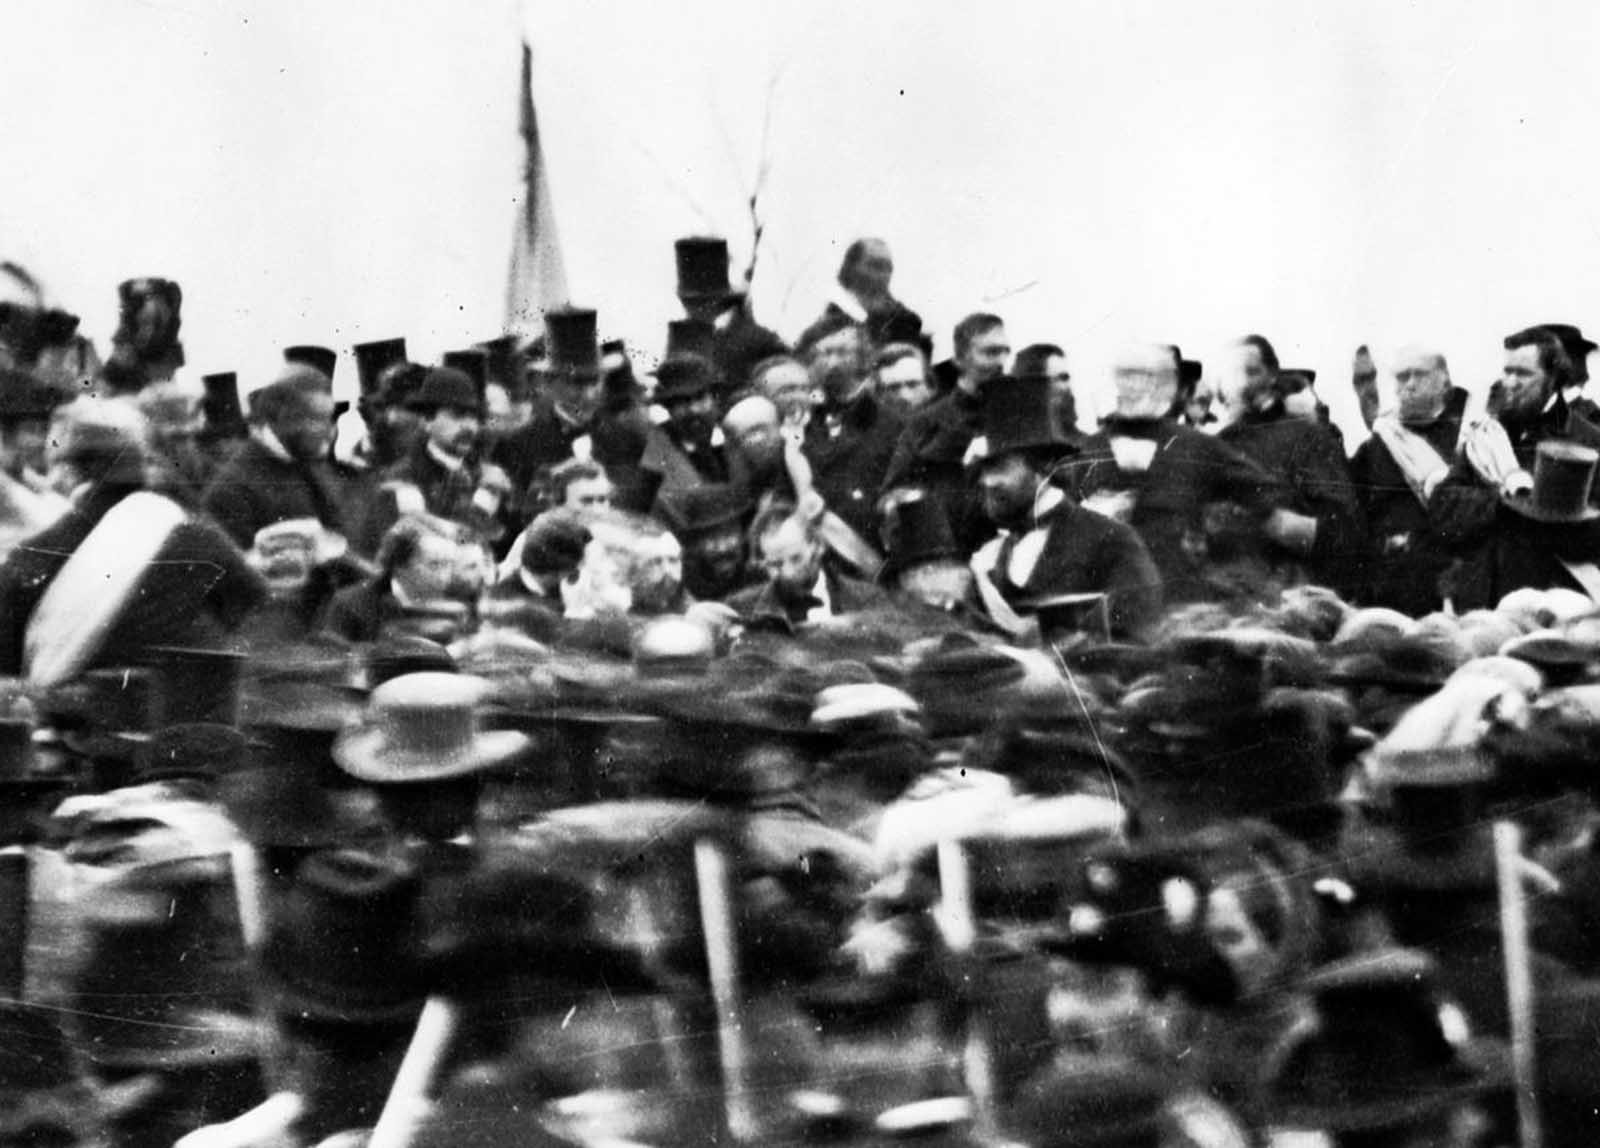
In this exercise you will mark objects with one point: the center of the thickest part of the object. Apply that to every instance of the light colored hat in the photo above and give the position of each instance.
(424, 727)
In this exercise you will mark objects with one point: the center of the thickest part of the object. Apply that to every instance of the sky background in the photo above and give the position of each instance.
(332, 171)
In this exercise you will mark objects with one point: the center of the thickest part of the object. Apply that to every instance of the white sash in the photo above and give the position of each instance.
(87, 595)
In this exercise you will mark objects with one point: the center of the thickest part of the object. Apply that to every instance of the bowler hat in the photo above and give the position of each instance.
(682, 377)
(1019, 415)
(702, 263)
(424, 727)
(574, 346)
(445, 388)
(372, 359)
(323, 359)
(1383, 1049)
(470, 362)
(224, 414)
(1563, 475)
(690, 337)
(346, 943)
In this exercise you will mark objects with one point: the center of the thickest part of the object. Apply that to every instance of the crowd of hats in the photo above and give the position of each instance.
(1201, 813)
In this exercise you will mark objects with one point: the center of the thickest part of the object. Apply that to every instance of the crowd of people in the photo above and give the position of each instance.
(793, 743)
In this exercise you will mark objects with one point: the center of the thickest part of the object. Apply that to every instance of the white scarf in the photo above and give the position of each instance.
(89, 592)
(1412, 453)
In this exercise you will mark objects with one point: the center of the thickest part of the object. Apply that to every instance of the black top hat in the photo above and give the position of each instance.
(223, 411)
(287, 795)
(918, 530)
(1019, 416)
(373, 358)
(573, 342)
(445, 387)
(681, 377)
(1190, 372)
(1383, 1049)
(346, 945)
(323, 359)
(196, 751)
(470, 362)
(194, 685)
(1563, 475)
(505, 360)
(702, 268)
(690, 337)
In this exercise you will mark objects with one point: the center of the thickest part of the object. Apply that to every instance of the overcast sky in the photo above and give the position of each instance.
(336, 170)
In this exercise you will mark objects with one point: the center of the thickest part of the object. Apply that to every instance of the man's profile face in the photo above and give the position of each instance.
(985, 356)
(791, 558)
(903, 384)
(1524, 384)
(305, 426)
(1364, 381)
(589, 494)
(454, 430)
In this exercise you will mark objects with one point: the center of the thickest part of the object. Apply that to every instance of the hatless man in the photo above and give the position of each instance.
(863, 297)
(1307, 458)
(282, 471)
(1395, 473)
(1364, 381)
(1144, 468)
(932, 448)
(786, 383)
(1049, 362)
(124, 570)
(903, 381)
(852, 435)
(800, 589)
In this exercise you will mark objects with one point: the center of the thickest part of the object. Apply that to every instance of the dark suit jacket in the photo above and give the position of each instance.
(255, 488)
(1088, 553)
(848, 466)
(1409, 555)
(929, 454)
(195, 593)
(738, 347)
(546, 439)
(1189, 472)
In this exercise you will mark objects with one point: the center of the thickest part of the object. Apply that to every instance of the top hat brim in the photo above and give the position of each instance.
(1524, 507)
(365, 755)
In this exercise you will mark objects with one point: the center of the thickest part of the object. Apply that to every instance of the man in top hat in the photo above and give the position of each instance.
(932, 449)
(124, 570)
(1048, 545)
(1307, 457)
(689, 448)
(1159, 476)
(563, 415)
(1493, 473)
(445, 475)
(851, 437)
(1395, 472)
(863, 298)
(282, 472)
(378, 432)
(703, 289)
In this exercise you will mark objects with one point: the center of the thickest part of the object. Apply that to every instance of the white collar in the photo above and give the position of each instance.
(449, 461)
(530, 583)
(824, 608)
(845, 299)
(271, 443)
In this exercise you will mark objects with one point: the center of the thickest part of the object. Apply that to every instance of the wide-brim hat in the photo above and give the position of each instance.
(680, 377)
(423, 727)
(705, 507)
